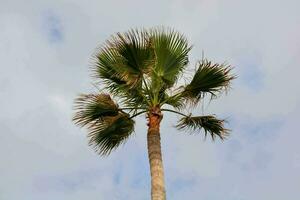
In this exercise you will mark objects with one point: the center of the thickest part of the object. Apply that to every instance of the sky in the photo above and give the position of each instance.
(45, 55)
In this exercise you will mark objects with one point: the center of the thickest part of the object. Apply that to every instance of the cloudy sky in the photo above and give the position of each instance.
(45, 51)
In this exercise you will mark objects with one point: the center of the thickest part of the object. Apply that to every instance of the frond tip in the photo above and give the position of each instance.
(210, 124)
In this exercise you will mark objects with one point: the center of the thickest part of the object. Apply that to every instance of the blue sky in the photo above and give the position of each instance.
(45, 52)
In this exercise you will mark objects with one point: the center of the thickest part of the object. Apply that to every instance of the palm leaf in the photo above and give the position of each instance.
(107, 125)
(171, 54)
(176, 101)
(118, 86)
(209, 79)
(91, 107)
(124, 59)
(106, 135)
(135, 49)
(122, 63)
(210, 124)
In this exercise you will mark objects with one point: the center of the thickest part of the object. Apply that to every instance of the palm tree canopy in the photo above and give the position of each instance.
(141, 69)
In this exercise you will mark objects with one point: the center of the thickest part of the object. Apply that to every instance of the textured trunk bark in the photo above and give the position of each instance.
(155, 157)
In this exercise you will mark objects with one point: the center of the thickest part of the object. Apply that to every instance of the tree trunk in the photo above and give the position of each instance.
(155, 157)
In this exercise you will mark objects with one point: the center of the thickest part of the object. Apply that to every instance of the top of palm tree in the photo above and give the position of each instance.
(141, 70)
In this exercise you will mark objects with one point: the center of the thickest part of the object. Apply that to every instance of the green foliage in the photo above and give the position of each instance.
(107, 134)
(209, 79)
(121, 64)
(176, 101)
(92, 107)
(210, 124)
(138, 66)
(171, 57)
(141, 69)
(124, 59)
(108, 126)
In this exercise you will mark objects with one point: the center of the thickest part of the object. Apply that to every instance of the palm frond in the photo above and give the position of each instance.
(209, 79)
(121, 88)
(106, 135)
(176, 101)
(124, 59)
(135, 49)
(131, 97)
(91, 107)
(210, 124)
(171, 53)
(122, 63)
(108, 126)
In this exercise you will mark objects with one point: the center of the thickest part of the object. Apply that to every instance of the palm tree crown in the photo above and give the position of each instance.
(141, 69)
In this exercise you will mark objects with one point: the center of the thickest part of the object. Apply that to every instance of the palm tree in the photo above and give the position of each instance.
(141, 70)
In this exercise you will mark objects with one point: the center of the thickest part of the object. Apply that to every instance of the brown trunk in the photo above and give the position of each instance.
(155, 157)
